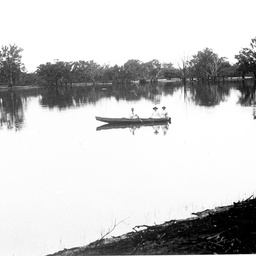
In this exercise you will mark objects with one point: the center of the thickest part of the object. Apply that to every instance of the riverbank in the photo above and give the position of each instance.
(223, 230)
(109, 84)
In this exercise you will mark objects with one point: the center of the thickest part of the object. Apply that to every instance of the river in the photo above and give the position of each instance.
(65, 182)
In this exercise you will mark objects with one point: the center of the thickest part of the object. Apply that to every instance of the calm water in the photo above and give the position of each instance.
(64, 183)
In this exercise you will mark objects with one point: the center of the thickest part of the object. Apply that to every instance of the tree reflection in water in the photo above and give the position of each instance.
(248, 97)
(11, 110)
(12, 106)
(209, 95)
(13, 102)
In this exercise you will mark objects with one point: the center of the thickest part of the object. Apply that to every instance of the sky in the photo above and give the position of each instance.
(114, 31)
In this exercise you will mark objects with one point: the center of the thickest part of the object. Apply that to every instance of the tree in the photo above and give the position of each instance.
(200, 63)
(184, 67)
(47, 72)
(10, 63)
(28, 78)
(167, 71)
(246, 59)
(105, 73)
(153, 67)
(232, 71)
(87, 71)
(218, 66)
(117, 74)
(56, 73)
(206, 64)
(132, 69)
(92, 70)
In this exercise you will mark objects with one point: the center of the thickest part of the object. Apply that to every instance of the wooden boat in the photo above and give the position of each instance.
(124, 126)
(124, 120)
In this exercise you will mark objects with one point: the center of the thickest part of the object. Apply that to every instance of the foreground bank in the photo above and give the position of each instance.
(229, 229)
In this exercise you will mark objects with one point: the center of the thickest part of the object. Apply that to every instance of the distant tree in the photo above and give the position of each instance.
(167, 71)
(114, 73)
(117, 74)
(45, 73)
(218, 67)
(11, 66)
(246, 59)
(78, 71)
(207, 65)
(87, 71)
(62, 72)
(232, 71)
(144, 72)
(243, 63)
(92, 71)
(132, 69)
(29, 78)
(105, 74)
(153, 68)
(57, 73)
(184, 67)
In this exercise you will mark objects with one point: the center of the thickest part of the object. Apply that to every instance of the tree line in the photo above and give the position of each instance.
(203, 66)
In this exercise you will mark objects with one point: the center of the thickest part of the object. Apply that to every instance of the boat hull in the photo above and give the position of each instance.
(133, 120)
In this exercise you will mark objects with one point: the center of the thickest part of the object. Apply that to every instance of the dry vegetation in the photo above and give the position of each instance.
(223, 230)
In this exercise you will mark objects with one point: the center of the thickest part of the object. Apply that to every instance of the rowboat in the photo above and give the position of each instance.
(124, 126)
(124, 120)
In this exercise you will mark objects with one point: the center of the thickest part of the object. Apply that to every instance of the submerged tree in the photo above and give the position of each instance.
(11, 66)
(184, 67)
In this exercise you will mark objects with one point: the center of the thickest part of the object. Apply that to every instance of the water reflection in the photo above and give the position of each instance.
(170, 88)
(13, 102)
(157, 128)
(11, 110)
(67, 97)
(68, 181)
(208, 95)
(72, 96)
(248, 97)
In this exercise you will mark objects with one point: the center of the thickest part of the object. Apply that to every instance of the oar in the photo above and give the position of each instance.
(140, 120)
(150, 121)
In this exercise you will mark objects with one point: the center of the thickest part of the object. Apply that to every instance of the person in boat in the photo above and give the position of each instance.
(133, 115)
(155, 113)
(164, 113)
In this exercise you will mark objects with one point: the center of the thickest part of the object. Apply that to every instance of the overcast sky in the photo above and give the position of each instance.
(114, 31)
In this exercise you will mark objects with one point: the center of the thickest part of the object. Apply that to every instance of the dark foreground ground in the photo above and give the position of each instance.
(223, 230)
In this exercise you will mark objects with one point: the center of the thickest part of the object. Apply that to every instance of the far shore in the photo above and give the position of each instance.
(102, 84)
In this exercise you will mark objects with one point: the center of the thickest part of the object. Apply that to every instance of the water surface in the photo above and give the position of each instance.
(64, 183)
